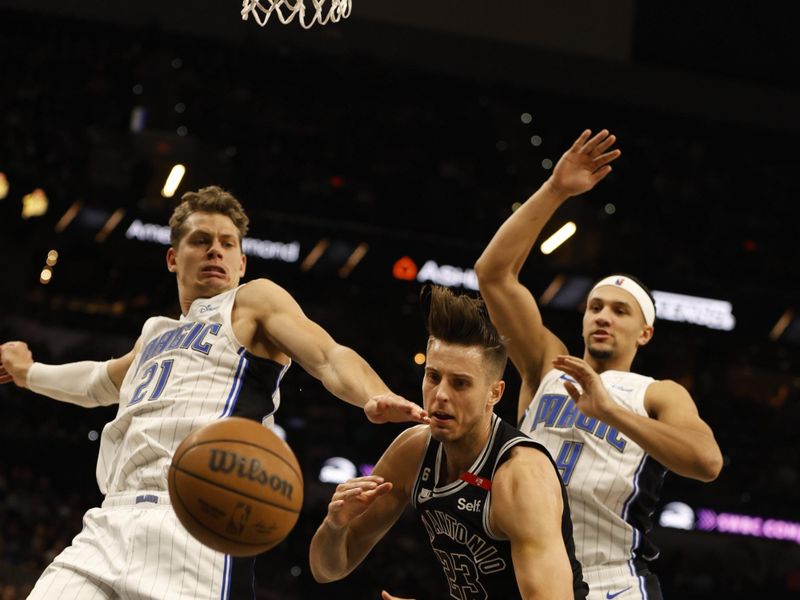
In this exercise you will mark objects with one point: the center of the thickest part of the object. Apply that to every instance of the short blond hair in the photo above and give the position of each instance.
(211, 199)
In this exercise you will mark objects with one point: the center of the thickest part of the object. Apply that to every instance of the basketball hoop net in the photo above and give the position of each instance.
(286, 10)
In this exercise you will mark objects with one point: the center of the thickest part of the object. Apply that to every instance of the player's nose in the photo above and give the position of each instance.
(215, 249)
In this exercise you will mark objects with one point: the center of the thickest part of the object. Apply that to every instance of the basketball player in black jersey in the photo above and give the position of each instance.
(489, 497)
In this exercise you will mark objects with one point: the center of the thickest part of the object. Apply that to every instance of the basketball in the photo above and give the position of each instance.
(236, 486)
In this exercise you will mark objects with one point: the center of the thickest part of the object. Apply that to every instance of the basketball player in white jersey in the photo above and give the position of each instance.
(489, 497)
(224, 356)
(612, 433)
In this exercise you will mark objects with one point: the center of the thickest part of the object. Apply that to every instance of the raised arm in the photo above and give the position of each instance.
(341, 370)
(673, 434)
(527, 508)
(511, 305)
(363, 509)
(86, 383)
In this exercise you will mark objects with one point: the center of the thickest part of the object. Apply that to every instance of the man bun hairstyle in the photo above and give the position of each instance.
(211, 199)
(463, 320)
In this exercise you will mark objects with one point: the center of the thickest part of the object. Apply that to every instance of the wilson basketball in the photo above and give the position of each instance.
(236, 486)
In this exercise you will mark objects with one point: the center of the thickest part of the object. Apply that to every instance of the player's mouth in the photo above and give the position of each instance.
(213, 271)
(439, 417)
(600, 335)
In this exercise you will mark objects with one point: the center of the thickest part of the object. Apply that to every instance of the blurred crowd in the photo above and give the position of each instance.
(386, 149)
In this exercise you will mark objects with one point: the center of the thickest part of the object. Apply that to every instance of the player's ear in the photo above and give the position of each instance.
(172, 265)
(645, 336)
(243, 267)
(496, 392)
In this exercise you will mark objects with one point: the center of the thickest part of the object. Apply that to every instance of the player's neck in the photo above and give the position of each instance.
(614, 363)
(187, 297)
(460, 455)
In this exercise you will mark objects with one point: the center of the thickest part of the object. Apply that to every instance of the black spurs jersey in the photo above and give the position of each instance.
(477, 561)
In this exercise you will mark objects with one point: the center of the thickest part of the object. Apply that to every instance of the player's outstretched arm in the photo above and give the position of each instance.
(363, 509)
(85, 383)
(341, 370)
(673, 434)
(527, 508)
(511, 305)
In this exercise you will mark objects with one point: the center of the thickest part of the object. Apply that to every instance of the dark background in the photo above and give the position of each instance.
(402, 128)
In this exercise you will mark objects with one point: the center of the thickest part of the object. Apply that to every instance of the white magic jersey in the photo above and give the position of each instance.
(611, 482)
(187, 373)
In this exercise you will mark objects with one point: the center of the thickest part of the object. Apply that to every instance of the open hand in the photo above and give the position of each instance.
(353, 497)
(391, 408)
(592, 399)
(585, 164)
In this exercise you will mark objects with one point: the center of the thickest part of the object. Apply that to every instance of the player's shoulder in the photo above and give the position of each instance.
(524, 459)
(411, 441)
(525, 483)
(663, 392)
(257, 287)
(261, 294)
(403, 456)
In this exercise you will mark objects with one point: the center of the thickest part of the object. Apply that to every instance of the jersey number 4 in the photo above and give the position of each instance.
(568, 457)
(147, 378)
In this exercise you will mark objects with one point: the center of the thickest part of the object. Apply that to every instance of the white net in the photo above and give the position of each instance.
(318, 11)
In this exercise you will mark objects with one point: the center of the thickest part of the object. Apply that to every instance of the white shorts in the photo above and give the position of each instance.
(615, 582)
(134, 547)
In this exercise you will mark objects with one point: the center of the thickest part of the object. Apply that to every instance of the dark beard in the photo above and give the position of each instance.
(599, 354)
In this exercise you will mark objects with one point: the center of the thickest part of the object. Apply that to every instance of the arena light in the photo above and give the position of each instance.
(45, 276)
(405, 269)
(316, 253)
(337, 470)
(559, 237)
(774, 529)
(780, 327)
(448, 275)
(708, 312)
(68, 217)
(34, 204)
(677, 515)
(52, 258)
(109, 225)
(353, 260)
(419, 358)
(288, 252)
(3, 186)
(173, 181)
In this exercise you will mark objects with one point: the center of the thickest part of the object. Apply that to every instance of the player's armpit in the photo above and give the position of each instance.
(527, 508)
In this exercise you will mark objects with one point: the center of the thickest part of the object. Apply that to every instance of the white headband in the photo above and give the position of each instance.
(635, 290)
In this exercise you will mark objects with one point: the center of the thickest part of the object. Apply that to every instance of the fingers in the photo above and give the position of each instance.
(570, 365)
(607, 157)
(395, 409)
(604, 144)
(574, 393)
(416, 412)
(361, 488)
(597, 145)
(600, 174)
(591, 146)
(581, 141)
